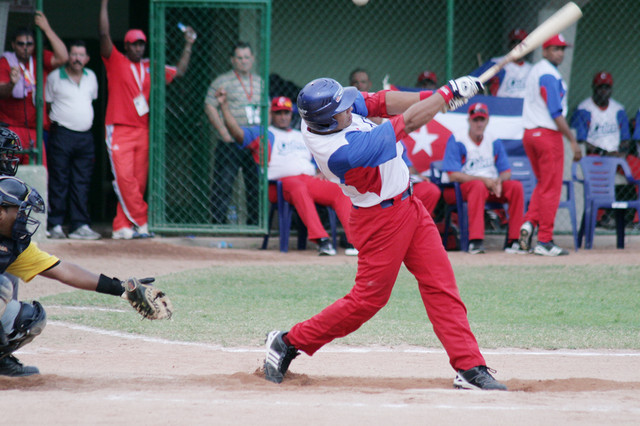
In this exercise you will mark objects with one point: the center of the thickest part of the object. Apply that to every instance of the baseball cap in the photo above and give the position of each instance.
(518, 34)
(281, 103)
(478, 110)
(556, 40)
(601, 78)
(427, 75)
(134, 35)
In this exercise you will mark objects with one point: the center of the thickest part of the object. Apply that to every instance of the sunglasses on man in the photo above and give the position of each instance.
(24, 43)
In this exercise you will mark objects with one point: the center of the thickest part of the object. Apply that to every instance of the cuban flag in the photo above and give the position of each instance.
(427, 144)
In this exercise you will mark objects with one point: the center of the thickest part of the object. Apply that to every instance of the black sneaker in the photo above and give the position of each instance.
(478, 378)
(325, 248)
(10, 366)
(279, 356)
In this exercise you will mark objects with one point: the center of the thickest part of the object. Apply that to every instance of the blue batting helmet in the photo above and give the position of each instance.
(321, 99)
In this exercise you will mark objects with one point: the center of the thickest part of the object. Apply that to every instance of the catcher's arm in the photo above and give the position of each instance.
(150, 302)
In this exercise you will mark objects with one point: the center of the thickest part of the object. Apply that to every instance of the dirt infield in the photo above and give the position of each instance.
(92, 376)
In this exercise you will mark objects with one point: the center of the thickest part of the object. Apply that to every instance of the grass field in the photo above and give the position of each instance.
(576, 307)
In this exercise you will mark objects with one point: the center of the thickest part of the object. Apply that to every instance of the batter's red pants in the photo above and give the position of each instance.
(403, 232)
(304, 192)
(476, 194)
(428, 193)
(545, 149)
(128, 149)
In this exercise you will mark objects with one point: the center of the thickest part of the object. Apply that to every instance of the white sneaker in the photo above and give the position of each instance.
(84, 233)
(515, 248)
(56, 233)
(351, 251)
(122, 234)
(549, 249)
(526, 232)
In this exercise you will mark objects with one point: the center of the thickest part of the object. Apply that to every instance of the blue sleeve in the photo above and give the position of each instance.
(359, 106)
(623, 123)
(405, 155)
(636, 131)
(364, 149)
(482, 68)
(554, 92)
(580, 121)
(500, 155)
(250, 135)
(453, 154)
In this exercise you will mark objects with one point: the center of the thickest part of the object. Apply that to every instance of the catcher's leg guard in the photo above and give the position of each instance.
(30, 320)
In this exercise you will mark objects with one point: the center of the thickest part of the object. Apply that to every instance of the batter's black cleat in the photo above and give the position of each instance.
(325, 248)
(279, 356)
(10, 366)
(478, 378)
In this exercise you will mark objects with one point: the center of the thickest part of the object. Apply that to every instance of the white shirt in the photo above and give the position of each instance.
(289, 155)
(71, 103)
(535, 111)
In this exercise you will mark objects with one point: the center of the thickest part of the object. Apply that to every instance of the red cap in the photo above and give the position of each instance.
(427, 75)
(601, 78)
(281, 103)
(518, 34)
(478, 110)
(134, 35)
(556, 40)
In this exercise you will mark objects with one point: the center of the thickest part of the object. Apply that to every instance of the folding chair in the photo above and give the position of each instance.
(285, 215)
(599, 175)
(459, 207)
(521, 170)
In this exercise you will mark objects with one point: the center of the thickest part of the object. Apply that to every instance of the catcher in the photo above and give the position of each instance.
(22, 322)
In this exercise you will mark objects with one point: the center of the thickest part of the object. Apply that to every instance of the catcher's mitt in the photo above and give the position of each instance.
(150, 302)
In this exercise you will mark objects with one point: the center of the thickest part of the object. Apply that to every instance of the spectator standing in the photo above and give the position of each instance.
(359, 78)
(127, 121)
(477, 159)
(70, 92)
(427, 80)
(543, 114)
(290, 161)
(18, 80)
(244, 91)
(511, 81)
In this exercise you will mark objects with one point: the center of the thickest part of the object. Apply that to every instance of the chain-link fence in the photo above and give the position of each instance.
(397, 40)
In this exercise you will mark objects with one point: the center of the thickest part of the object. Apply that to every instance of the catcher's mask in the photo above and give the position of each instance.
(9, 146)
(16, 193)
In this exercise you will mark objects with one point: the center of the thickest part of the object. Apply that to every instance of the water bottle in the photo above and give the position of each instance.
(232, 215)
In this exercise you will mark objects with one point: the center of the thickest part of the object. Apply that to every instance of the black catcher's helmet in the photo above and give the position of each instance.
(9, 147)
(16, 193)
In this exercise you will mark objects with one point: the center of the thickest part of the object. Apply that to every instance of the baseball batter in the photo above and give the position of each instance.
(543, 113)
(389, 226)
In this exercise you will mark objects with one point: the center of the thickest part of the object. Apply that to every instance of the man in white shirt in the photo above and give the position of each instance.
(70, 92)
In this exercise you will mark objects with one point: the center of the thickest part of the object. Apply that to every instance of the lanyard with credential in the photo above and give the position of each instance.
(28, 73)
(249, 94)
(139, 78)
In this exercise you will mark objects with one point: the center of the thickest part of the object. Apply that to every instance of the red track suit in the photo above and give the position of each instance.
(291, 162)
(127, 135)
(486, 159)
(19, 110)
(545, 99)
(388, 227)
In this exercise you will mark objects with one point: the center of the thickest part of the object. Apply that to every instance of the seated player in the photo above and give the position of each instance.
(479, 162)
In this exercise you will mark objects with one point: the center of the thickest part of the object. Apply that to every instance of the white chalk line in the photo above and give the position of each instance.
(338, 349)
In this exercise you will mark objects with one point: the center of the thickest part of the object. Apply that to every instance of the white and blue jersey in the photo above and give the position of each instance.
(364, 159)
(487, 159)
(545, 97)
(603, 128)
(287, 153)
(512, 79)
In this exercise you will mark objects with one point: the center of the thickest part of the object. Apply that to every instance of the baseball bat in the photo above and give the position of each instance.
(557, 22)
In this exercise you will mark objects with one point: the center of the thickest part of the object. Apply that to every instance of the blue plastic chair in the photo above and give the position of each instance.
(599, 175)
(460, 207)
(285, 215)
(521, 170)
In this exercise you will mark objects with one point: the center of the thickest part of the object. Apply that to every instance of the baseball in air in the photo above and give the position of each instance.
(360, 2)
